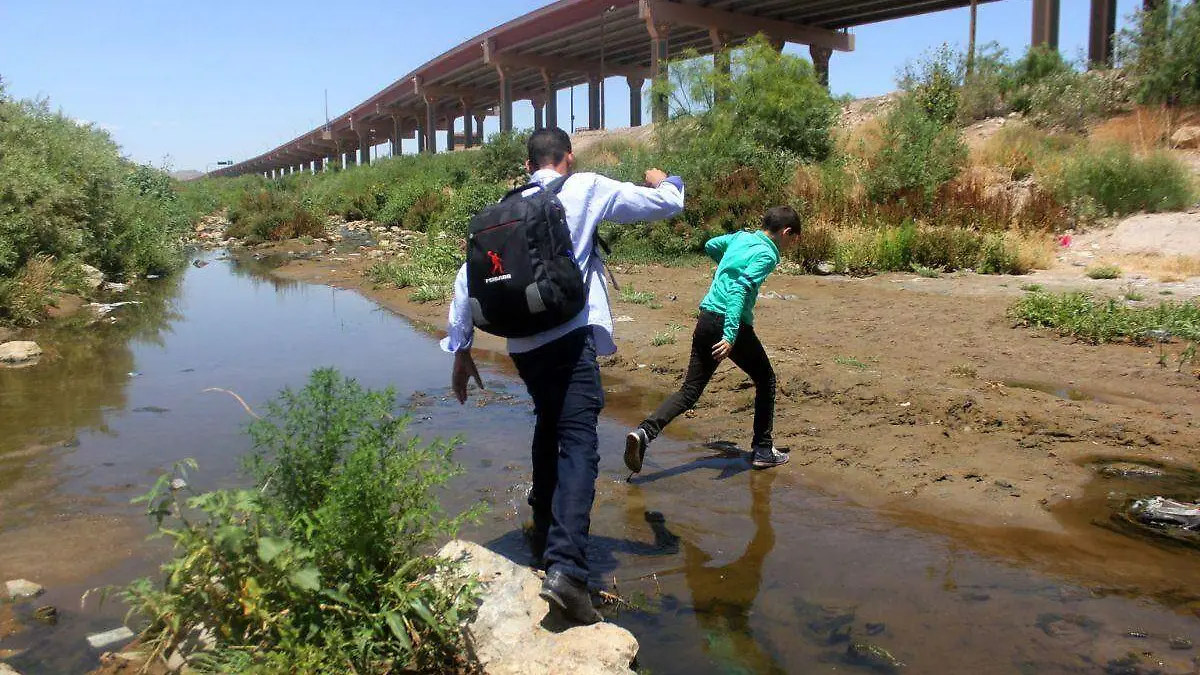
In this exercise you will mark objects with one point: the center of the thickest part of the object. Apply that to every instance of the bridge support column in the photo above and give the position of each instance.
(479, 119)
(539, 111)
(450, 132)
(506, 100)
(660, 53)
(1045, 23)
(594, 121)
(1102, 28)
(397, 131)
(551, 114)
(635, 100)
(319, 165)
(364, 146)
(430, 125)
(820, 59)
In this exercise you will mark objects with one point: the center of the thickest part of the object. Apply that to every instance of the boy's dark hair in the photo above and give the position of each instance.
(780, 218)
(548, 147)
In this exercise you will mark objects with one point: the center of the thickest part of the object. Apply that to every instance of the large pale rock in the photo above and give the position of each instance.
(1186, 138)
(22, 589)
(6, 669)
(92, 276)
(19, 351)
(506, 634)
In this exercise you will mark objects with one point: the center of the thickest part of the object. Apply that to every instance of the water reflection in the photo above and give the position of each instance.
(723, 596)
(84, 376)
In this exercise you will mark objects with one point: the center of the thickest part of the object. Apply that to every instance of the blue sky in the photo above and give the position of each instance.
(196, 82)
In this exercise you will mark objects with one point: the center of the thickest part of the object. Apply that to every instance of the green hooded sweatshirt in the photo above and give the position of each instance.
(744, 259)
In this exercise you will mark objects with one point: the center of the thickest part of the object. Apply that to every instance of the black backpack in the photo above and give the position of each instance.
(521, 273)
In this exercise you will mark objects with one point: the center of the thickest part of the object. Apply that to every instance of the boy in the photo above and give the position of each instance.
(559, 365)
(724, 329)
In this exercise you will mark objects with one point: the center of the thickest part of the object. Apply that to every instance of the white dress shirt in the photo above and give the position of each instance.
(588, 199)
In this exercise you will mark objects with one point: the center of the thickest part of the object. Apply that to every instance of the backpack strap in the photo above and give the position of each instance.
(554, 187)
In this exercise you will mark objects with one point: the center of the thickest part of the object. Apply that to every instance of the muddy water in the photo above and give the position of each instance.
(733, 571)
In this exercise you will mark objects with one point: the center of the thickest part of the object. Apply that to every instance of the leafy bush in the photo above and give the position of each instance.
(467, 201)
(272, 215)
(402, 199)
(1159, 54)
(934, 83)
(892, 249)
(502, 157)
(323, 567)
(1103, 272)
(66, 194)
(1114, 181)
(1071, 100)
(919, 154)
(1097, 320)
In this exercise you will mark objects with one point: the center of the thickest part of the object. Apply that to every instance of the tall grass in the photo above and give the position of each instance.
(1113, 180)
(428, 270)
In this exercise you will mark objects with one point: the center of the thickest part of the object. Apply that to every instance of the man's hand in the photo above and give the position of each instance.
(655, 177)
(462, 372)
(721, 350)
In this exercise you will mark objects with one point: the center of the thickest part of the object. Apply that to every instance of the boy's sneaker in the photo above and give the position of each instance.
(635, 449)
(767, 457)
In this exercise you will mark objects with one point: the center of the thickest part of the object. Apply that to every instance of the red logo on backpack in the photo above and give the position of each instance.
(497, 264)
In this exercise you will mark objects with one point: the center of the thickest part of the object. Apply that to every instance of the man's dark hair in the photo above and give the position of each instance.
(780, 218)
(548, 147)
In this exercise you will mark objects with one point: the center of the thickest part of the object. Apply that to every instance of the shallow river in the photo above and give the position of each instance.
(747, 572)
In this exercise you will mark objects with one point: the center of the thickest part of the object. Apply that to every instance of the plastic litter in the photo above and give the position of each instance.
(1163, 511)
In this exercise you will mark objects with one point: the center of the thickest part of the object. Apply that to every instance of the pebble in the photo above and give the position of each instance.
(1180, 643)
(20, 589)
(47, 614)
(109, 638)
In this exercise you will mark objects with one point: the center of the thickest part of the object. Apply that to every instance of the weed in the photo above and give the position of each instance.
(1112, 180)
(851, 362)
(965, 371)
(429, 270)
(322, 566)
(1103, 272)
(927, 272)
(1032, 288)
(1133, 295)
(630, 294)
(272, 215)
(1088, 318)
(663, 338)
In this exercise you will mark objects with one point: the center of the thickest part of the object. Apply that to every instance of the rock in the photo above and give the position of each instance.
(110, 637)
(507, 636)
(1186, 138)
(22, 589)
(6, 669)
(864, 653)
(92, 277)
(115, 287)
(46, 614)
(19, 351)
(825, 268)
(1180, 643)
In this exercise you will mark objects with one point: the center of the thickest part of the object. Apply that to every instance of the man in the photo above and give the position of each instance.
(725, 329)
(559, 365)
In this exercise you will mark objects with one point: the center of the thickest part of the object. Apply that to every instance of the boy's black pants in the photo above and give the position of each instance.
(748, 354)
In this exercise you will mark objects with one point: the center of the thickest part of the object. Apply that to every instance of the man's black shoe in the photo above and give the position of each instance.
(570, 597)
(535, 538)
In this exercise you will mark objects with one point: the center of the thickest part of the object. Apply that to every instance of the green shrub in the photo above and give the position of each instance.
(467, 201)
(401, 200)
(502, 157)
(934, 82)
(66, 194)
(918, 155)
(1159, 54)
(1038, 64)
(815, 245)
(272, 215)
(1072, 100)
(323, 566)
(1113, 180)
(1097, 320)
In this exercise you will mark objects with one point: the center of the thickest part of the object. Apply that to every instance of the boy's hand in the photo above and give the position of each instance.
(721, 350)
(462, 372)
(655, 177)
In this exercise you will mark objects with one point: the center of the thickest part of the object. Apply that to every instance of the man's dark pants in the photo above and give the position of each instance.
(563, 379)
(747, 353)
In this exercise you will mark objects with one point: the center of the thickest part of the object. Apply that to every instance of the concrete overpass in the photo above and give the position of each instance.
(572, 42)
